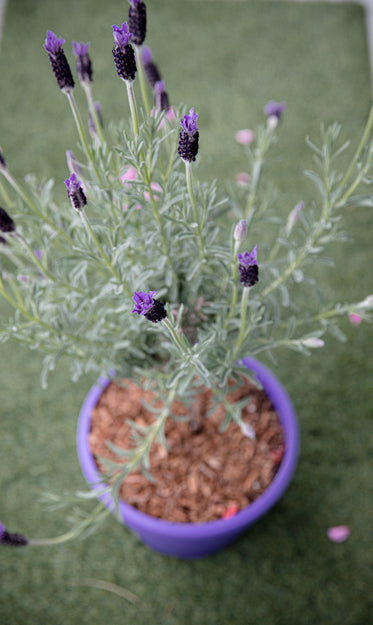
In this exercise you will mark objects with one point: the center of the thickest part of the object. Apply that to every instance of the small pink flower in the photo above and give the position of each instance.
(338, 533)
(355, 319)
(245, 136)
(155, 187)
(129, 174)
(243, 179)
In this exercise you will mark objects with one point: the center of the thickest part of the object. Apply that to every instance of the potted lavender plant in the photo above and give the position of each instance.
(171, 290)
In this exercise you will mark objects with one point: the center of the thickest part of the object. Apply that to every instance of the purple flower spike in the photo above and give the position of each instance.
(75, 192)
(83, 62)
(189, 137)
(150, 68)
(122, 35)
(145, 304)
(248, 268)
(53, 44)
(123, 53)
(11, 540)
(137, 21)
(189, 123)
(58, 61)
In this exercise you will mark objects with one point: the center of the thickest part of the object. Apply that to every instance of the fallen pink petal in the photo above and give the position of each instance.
(245, 136)
(338, 533)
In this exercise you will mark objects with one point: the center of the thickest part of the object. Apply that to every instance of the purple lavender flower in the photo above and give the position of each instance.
(150, 68)
(58, 61)
(248, 268)
(145, 304)
(137, 21)
(75, 192)
(83, 62)
(11, 540)
(122, 35)
(189, 122)
(7, 224)
(274, 109)
(123, 52)
(188, 138)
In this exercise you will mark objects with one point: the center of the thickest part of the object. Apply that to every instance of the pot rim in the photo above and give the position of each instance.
(133, 516)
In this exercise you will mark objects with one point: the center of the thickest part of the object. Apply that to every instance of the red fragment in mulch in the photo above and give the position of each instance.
(231, 511)
(278, 453)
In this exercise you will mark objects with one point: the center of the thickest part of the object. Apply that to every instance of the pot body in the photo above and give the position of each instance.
(194, 540)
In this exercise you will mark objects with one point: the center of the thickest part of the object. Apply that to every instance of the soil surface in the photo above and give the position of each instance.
(206, 474)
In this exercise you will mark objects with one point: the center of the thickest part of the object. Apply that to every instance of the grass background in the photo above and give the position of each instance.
(227, 59)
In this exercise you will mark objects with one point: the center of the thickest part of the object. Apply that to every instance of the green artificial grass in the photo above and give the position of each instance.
(227, 59)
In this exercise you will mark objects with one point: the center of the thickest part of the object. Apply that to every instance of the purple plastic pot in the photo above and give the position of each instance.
(194, 540)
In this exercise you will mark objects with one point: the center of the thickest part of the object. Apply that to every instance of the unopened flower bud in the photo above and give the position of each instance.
(313, 342)
(240, 230)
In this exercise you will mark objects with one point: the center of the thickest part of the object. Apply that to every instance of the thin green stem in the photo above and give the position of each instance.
(360, 148)
(79, 125)
(140, 72)
(189, 178)
(133, 107)
(242, 333)
(233, 303)
(94, 114)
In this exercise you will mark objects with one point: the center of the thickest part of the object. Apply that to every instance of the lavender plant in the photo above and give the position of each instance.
(146, 272)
